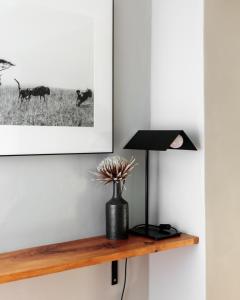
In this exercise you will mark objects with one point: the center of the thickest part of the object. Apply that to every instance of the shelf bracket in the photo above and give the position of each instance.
(114, 272)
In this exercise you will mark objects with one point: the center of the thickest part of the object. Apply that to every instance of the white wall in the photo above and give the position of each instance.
(177, 102)
(52, 198)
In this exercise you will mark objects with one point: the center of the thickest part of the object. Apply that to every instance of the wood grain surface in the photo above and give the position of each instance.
(59, 257)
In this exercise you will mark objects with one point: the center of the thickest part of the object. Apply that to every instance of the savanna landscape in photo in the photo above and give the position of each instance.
(59, 109)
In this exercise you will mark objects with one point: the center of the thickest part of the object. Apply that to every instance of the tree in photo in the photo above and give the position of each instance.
(4, 65)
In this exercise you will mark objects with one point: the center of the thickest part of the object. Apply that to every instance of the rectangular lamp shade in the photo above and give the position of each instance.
(160, 140)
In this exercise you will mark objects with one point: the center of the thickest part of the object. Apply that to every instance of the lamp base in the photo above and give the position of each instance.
(154, 232)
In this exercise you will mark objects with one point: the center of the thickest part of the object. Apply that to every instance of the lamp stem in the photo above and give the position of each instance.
(147, 189)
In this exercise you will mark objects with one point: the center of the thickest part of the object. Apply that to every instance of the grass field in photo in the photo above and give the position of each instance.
(59, 110)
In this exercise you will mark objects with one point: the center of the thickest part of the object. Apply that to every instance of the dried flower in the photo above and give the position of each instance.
(114, 169)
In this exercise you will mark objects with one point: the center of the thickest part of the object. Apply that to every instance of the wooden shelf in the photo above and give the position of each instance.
(54, 258)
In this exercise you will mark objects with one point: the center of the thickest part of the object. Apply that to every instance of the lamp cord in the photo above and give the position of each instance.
(158, 228)
(125, 279)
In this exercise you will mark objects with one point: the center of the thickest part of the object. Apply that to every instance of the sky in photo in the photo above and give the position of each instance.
(48, 46)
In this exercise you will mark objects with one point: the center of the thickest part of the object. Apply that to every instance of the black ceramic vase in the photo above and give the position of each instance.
(117, 215)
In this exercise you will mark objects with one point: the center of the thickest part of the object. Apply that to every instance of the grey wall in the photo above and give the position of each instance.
(49, 199)
(222, 107)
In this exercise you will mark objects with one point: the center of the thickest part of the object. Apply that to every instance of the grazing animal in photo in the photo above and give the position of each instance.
(82, 96)
(23, 94)
(41, 92)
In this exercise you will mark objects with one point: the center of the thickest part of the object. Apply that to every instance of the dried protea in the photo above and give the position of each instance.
(114, 169)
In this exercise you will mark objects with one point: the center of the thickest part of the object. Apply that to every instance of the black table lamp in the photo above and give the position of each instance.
(157, 140)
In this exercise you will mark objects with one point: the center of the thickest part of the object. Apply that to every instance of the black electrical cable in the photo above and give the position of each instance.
(125, 279)
(155, 227)
(160, 227)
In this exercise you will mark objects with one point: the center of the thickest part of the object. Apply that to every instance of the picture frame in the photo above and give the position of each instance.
(56, 77)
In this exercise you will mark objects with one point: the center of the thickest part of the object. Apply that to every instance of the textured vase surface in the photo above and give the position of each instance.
(117, 216)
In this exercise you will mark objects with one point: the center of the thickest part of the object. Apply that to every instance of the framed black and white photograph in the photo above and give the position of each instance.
(56, 76)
